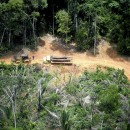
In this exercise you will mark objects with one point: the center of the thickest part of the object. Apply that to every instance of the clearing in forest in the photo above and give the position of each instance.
(106, 56)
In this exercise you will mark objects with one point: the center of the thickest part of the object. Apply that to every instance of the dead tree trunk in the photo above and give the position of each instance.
(40, 92)
(12, 96)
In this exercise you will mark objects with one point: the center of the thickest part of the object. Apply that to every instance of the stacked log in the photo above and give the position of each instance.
(61, 60)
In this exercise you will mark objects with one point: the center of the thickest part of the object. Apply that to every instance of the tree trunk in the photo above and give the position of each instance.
(76, 22)
(101, 124)
(9, 37)
(34, 36)
(14, 112)
(39, 93)
(95, 36)
(66, 39)
(76, 16)
(39, 101)
(12, 97)
(2, 73)
(2, 37)
(53, 21)
(25, 41)
(67, 27)
(14, 105)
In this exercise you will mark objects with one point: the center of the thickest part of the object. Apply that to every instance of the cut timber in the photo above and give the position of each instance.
(64, 60)
(63, 63)
(61, 60)
(56, 57)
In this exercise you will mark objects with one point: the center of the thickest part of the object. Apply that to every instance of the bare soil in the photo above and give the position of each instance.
(106, 56)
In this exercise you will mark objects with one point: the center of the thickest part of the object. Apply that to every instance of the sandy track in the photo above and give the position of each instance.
(106, 57)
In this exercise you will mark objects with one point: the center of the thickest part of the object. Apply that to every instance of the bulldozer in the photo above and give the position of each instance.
(22, 56)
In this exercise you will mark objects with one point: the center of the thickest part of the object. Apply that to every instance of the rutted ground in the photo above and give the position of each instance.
(106, 57)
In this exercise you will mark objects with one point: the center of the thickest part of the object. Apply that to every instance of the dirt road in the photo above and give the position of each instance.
(106, 57)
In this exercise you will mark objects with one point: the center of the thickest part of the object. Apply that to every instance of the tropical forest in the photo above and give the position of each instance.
(65, 65)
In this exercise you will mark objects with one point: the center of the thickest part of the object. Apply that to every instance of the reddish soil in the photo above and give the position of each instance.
(106, 57)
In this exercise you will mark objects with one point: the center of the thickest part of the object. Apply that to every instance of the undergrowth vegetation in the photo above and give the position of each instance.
(96, 100)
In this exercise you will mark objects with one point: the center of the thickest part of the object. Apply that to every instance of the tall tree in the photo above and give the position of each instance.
(64, 22)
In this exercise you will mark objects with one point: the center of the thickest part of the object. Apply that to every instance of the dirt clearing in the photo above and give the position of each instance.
(106, 57)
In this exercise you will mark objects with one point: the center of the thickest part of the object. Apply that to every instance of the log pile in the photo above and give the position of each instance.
(61, 60)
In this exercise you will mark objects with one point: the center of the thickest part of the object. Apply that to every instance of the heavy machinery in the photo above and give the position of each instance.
(22, 56)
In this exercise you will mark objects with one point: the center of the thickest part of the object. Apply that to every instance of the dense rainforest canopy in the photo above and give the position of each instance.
(83, 21)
